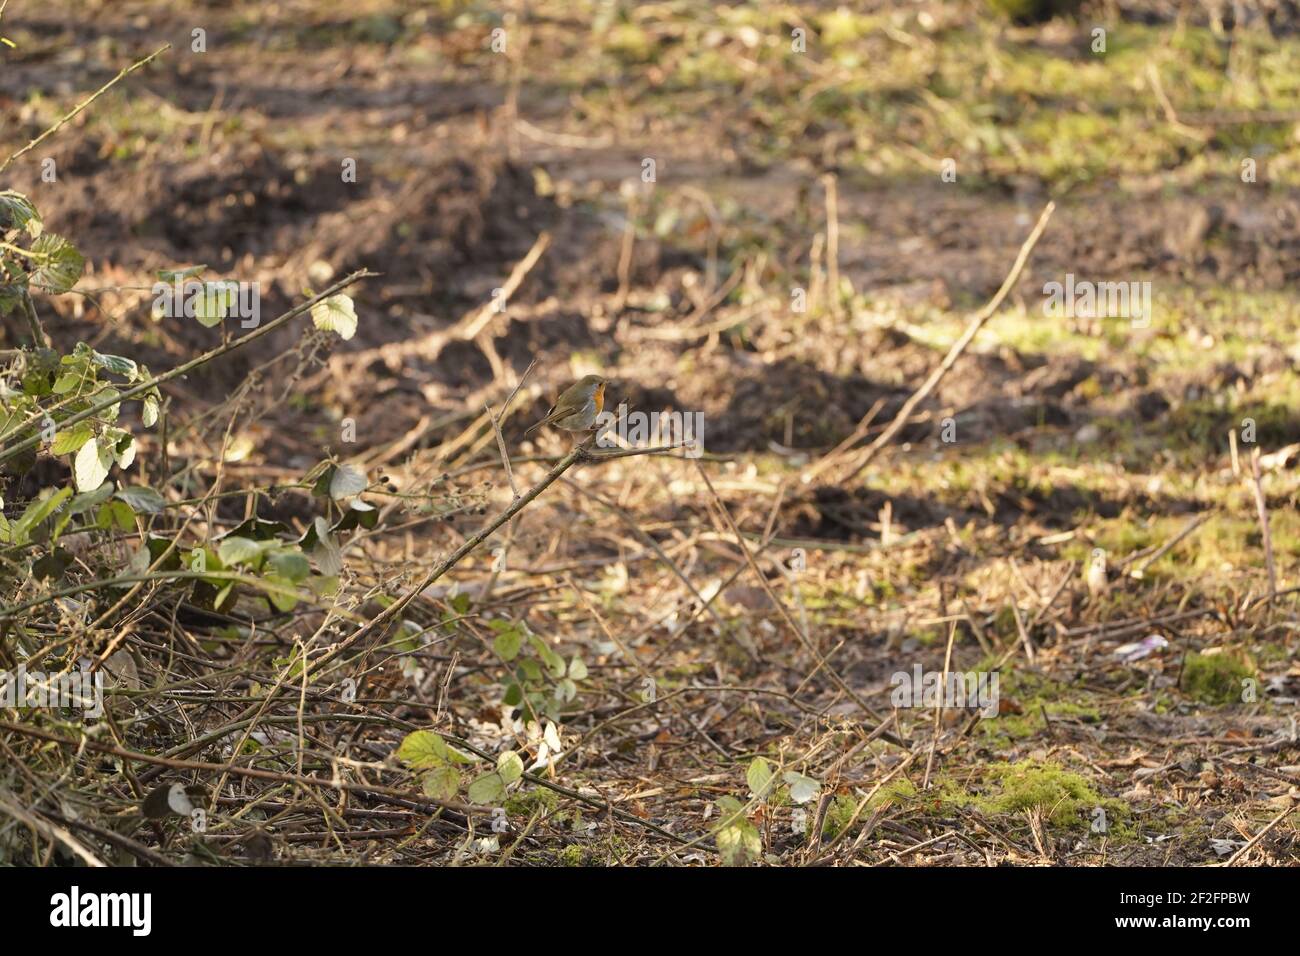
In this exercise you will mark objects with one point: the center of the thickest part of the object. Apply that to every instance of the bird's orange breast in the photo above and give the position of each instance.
(600, 398)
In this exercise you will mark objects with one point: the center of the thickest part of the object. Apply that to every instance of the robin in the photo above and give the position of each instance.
(578, 406)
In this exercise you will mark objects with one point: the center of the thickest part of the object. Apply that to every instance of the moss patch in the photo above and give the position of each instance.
(1216, 678)
(526, 802)
(576, 854)
(1065, 798)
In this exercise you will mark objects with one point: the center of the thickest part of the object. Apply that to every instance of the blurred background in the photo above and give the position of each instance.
(780, 215)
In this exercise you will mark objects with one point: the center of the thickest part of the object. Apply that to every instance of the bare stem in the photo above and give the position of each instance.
(140, 387)
(62, 121)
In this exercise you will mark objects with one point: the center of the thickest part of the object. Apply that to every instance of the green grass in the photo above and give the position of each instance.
(1217, 679)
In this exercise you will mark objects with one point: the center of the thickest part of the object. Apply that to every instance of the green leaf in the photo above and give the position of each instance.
(90, 467)
(203, 559)
(510, 767)
(60, 263)
(759, 777)
(223, 596)
(142, 499)
(318, 543)
(71, 439)
(17, 212)
(173, 275)
(530, 670)
(112, 411)
(316, 532)
(157, 546)
(441, 783)
(553, 661)
(280, 592)
(67, 382)
(489, 788)
(290, 565)
(124, 449)
(36, 512)
(358, 514)
(802, 789)
(577, 668)
(738, 839)
(83, 503)
(422, 749)
(236, 550)
(259, 529)
(328, 555)
(115, 513)
(212, 304)
(336, 314)
(116, 364)
(322, 486)
(149, 414)
(508, 643)
(11, 297)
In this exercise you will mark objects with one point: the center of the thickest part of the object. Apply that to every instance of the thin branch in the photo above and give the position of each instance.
(59, 124)
(785, 615)
(140, 387)
(499, 564)
(33, 322)
(958, 347)
(938, 707)
(1261, 510)
(371, 789)
(1232, 860)
(470, 326)
(580, 452)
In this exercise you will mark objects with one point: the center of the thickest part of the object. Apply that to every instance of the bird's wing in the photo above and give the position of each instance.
(546, 419)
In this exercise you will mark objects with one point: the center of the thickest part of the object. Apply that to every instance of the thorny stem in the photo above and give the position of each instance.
(140, 387)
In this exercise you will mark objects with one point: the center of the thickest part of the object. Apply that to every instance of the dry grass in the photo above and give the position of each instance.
(728, 629)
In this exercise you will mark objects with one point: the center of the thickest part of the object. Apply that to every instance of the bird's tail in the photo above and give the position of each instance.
(549, 417)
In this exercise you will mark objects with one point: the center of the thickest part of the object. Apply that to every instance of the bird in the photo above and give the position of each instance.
(578, 406)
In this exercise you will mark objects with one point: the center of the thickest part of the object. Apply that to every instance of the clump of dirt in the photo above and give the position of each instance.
(1248, 244)
(226, 209)
(556, 333)
(453, 232)
(842, 513)
(1247, 241)
(790, 402)
(249, 202)
(798, 403)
